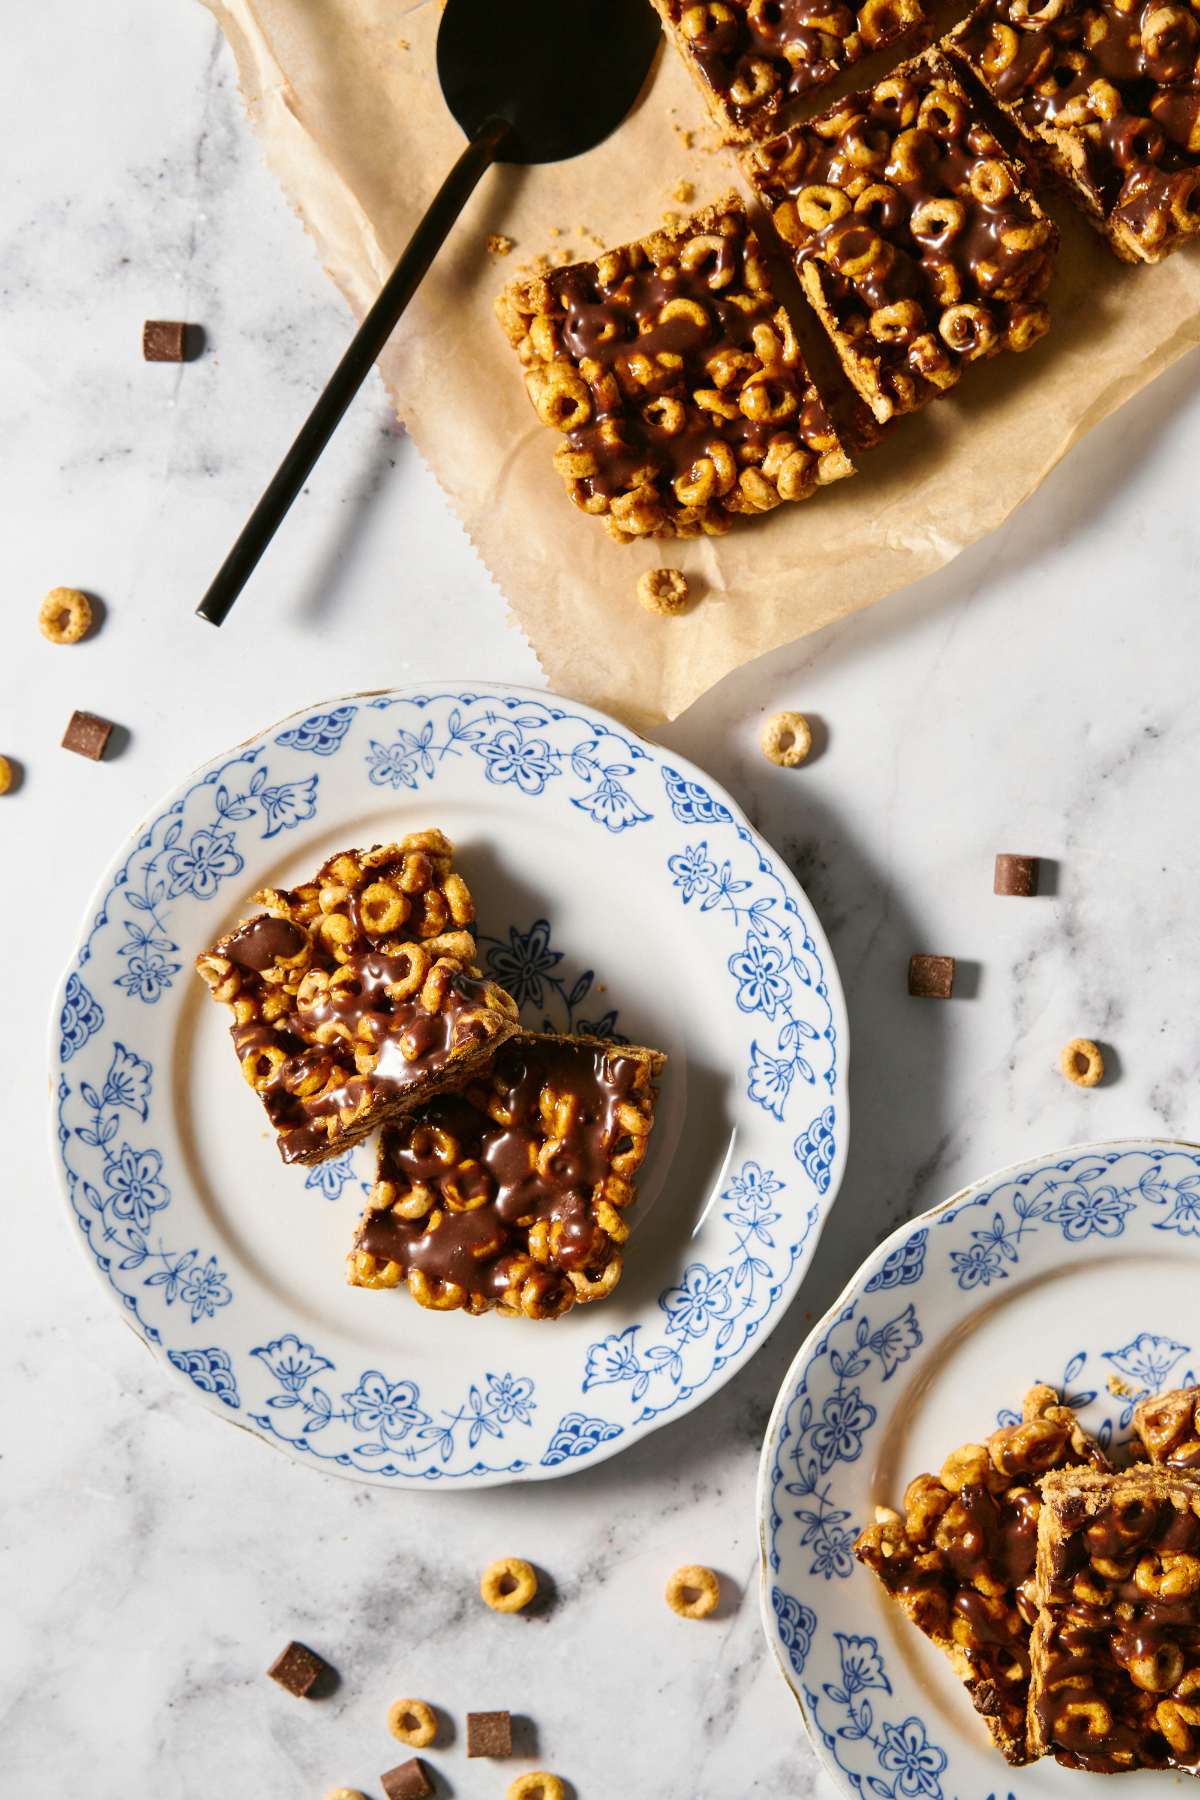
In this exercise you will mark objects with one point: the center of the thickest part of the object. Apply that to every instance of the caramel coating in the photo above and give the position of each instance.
(913, 234)
(663, 591)
(1082, 1062)
(693, 1591)
(65, 615)
(675, 381)
(786, 739)
(536, 1785)
(1168, 1426)
(509, 1584)
(414, 1722)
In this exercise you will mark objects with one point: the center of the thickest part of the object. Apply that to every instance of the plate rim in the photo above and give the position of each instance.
(821, 1207)
(869, 1266)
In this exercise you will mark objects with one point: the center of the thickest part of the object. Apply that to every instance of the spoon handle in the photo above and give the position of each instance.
(348, 377)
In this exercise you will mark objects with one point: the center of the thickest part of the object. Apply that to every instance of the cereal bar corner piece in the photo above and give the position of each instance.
(1107, 91)
(914, 234)
(753, 58)
(1116, 1644)
(960, 1559)
(675, 380)
(1168, 1427)
(514, 1192)
(354, 996)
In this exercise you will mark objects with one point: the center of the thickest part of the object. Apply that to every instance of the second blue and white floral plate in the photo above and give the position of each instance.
(619, 892)
(1079, 1269)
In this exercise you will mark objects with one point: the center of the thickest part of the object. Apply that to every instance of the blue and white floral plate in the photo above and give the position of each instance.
(1080, 1269)
(619, 892)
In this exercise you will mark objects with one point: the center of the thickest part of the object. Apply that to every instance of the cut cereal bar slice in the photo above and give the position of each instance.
(960, 1561)
(1116, 1645)
(675, 379)
(1108, 92)
(753, 58)
(354, 996)
(1168, 1427)
(513, 1193)
(914, 234)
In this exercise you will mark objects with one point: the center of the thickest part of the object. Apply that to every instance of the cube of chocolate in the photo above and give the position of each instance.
(88, 735)
(164, 340)
(407, 1781)
(489, 1734)
(931, 977)
(298, 1669)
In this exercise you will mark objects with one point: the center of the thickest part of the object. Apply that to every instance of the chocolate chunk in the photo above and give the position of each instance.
(1016, 875)
(489, 1734)
(298, 1669)
(407, 1781)
(164, 340)
(87, 735)
(931, 977)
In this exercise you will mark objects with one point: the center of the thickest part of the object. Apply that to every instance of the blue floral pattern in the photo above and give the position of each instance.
(125, 1041)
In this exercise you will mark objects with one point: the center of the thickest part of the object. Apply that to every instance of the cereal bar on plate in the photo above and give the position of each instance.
(513, 1193)
(914, 234)
(354, 996)
(960, 1560)
(1116, 1644)
(1108, 93)
(675, 381)
(752, 58)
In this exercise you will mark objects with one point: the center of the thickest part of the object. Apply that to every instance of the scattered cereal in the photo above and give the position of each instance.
(499, 244)
(6, 775)
(489, 1734)
(1082, 1062)
(663, 591)
(931, 977)
(414, 1722)
(693, 1592)
(536, 1786)
(298, 1669)
(509, 1584)
(345, 1794)
(65, 615)
(1121, 1389)
(787, 739)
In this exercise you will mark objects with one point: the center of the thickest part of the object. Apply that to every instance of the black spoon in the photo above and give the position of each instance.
(529, 81)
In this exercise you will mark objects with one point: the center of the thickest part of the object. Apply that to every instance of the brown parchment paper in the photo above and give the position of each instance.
(344, 96)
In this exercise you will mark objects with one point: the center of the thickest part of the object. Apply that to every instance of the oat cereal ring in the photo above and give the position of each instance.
(345, 1794)
(5, 775)
(1082, 1062)
(413, 1722)
(663, 591)
(536, 1785)
(786, 739)
(693, 1592)
(508, 1585)
(65, 615)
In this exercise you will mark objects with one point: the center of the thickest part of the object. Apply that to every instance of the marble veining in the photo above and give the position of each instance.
(1036, 695)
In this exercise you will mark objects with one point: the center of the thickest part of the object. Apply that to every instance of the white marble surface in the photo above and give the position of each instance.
(1039, 694)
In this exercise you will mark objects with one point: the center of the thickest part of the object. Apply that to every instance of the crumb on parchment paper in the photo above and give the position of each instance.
(498, 244)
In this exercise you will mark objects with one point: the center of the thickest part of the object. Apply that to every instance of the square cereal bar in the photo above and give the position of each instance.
(513, 1192)
(960, 1561)
(1168, 1427)
(752, 58)
(1116, 1645)
(914, 234)
(1108, 92)
(354, 996)
(676, 381)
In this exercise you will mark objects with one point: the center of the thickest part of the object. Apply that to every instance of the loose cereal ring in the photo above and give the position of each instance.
(787, 739)
(65, 615)
(413, 1722)
(693, 1592)
(508, 1585)
(536, 1785)
(663, 591)
(1082, 1062)
(345, 1794)
(6, 775)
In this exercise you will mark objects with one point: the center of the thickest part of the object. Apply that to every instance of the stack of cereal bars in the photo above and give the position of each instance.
(1066, 1593)
(506, 1159)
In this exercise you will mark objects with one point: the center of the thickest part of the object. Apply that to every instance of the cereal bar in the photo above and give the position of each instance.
(914, 234)
(675, 380)
(512, 1193)
(751, 58)
(1108, 92)
(1116, 1645)
(1168, 1427)
(354, 995)
(960, 1560)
